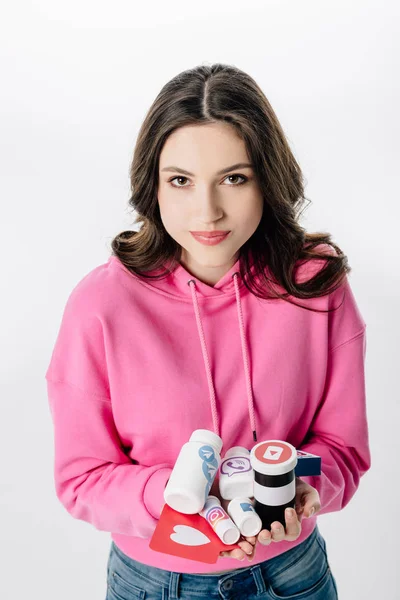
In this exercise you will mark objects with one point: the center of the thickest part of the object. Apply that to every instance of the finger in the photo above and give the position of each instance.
(299, 507)
(247, 547)
(249, 553)
(293, 525)
(277, 532)
(238, 554)
(252, 540)
(264, 537)
(311, 509)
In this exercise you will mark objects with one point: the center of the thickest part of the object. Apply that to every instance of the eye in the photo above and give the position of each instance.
(173, 179)
(234, 184)
(241, 176)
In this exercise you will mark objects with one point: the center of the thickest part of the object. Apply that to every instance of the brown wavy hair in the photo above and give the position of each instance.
(220, 92)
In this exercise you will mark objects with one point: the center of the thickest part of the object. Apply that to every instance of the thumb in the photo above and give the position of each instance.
(311, 508)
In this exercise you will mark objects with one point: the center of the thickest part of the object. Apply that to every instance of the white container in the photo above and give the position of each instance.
(194, 472)
(236, 475)
(242, 513)
(220, 521)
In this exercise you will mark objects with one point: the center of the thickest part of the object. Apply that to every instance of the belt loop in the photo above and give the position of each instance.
(173, 591)
(259, 579)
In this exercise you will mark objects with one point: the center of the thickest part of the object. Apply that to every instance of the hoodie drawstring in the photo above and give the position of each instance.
(250, 401)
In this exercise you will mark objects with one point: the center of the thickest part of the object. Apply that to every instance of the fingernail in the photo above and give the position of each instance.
(312, 511)
(289, 513)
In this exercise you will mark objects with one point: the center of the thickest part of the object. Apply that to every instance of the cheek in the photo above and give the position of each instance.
(172, 216)
(249, 212)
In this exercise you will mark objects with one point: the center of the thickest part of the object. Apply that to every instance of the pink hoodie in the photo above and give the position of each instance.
(139, 365)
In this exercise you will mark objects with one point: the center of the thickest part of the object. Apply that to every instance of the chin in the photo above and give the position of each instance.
(212, 258)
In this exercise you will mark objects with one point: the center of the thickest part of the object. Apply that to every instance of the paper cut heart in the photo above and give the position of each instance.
(189, 536)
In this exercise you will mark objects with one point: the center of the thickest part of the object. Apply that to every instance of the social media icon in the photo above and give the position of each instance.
(273, 452)
(232, 466)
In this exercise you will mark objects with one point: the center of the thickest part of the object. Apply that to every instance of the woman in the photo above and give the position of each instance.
(254, 334)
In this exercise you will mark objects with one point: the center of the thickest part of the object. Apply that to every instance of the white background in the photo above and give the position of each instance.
(77, 79)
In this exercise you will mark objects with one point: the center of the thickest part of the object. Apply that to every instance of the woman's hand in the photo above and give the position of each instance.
(307, 503)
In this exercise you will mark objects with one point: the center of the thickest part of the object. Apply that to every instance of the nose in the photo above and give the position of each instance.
(208, 207)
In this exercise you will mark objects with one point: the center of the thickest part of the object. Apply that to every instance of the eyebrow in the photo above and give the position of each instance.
(231, 168)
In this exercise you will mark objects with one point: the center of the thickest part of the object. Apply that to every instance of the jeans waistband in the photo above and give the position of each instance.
(175, 582)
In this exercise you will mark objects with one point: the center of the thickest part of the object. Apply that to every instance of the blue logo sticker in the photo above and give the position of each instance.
(209, 466)
(246, 507)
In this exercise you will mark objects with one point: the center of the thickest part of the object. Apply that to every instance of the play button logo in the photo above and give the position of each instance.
(273, 452)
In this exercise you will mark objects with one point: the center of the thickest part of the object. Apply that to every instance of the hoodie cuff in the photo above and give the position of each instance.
(153, 495)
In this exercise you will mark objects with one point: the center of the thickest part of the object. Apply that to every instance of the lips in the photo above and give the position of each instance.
(211, 238)
(210, 234)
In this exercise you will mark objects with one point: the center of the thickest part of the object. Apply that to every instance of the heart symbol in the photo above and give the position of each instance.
(189, 536)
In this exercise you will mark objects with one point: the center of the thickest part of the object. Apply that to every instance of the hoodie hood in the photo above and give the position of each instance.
(181, 284)
(176, 283)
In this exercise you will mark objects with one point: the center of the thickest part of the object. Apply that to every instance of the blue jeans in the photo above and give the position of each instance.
(302, 573)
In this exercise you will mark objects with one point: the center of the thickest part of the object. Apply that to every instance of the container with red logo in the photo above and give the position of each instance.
(273, 463)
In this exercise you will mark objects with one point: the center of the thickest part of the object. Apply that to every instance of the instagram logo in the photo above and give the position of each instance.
(215, 515)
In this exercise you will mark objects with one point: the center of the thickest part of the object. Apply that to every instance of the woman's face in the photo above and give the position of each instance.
(194, 196)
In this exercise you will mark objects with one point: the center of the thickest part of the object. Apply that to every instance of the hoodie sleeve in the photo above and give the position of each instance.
(339, 431)
(94, 478)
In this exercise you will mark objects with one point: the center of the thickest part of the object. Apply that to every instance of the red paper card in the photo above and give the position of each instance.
(187, 536)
